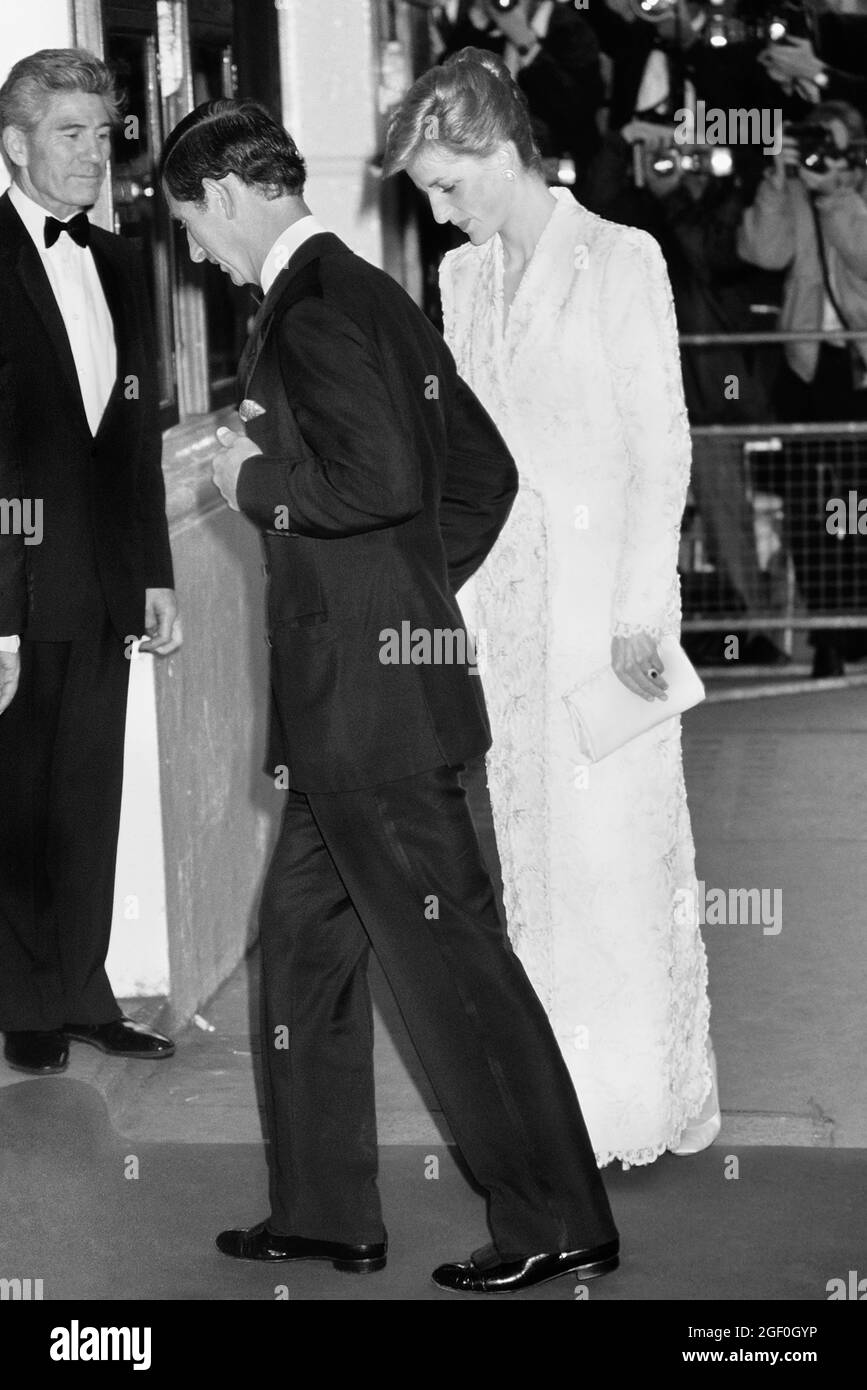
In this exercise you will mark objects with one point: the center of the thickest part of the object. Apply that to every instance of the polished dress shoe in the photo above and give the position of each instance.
(481, 1276)
(40, 1052)
(258, 1243)
(122, 1038)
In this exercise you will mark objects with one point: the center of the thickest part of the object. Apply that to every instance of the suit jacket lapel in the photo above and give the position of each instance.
(114, 288)
(32, 275)
(252, 348)
(308, 251)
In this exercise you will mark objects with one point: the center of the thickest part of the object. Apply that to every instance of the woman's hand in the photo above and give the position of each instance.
(636, 662)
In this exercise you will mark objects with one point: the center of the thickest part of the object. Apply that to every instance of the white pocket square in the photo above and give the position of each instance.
(248, 410)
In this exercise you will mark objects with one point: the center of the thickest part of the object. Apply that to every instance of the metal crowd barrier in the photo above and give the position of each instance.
(773, 541)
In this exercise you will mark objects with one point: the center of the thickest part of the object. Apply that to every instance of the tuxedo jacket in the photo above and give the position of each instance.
(382, 485)
(105, 536)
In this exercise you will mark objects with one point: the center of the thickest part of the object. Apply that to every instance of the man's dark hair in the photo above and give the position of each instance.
(231, 137)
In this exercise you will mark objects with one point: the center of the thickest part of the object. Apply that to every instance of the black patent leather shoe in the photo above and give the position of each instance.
(512, 1275)
(41, 1052)
(122, 1038)
(258, 1243)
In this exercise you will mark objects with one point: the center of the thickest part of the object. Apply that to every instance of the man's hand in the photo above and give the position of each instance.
(650, 133)
(834, 180)
(791, 62)
(162, 623)
(513, 23)
(633, 658)
(778, 166)
(10, 670)
(236, 448)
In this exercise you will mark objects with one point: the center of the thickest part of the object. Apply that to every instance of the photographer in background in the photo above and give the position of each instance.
(553, 55)
(643, 178)
(809, 218)
(659, 59)
(827, 62)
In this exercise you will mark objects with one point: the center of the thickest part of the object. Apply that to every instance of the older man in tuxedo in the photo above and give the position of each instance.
(85, 563)
(379, 484)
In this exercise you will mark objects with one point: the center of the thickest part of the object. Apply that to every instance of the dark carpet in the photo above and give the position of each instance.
(96, 1217)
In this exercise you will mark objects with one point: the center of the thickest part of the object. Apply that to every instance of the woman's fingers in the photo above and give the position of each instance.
(652, 688)
(637, 663)
(652, 672)
(635, 676)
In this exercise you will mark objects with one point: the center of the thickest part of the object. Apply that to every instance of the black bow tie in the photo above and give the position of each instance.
(77, 226)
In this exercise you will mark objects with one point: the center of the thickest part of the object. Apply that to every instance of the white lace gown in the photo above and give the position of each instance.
(598, 862)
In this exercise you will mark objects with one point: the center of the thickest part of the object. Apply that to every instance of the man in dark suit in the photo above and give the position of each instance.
(379, 484)
(85, 563)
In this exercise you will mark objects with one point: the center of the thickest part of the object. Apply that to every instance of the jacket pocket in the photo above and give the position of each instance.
(295, 593)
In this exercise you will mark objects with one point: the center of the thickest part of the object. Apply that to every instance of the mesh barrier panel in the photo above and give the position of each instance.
(771, 535)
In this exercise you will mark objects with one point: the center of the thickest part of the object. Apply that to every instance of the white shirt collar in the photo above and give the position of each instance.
(32, 214)
(542, 18)
(285, 247)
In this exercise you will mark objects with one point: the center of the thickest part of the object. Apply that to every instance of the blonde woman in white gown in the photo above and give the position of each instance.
(563, 325)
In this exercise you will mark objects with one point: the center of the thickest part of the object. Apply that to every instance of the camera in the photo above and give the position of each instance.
(816, 145)
(694, 159)
(738, 21)
(788, 21)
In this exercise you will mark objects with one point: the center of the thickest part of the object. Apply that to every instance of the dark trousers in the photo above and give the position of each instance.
(474, 780)
(61, 772)
(719, 486)
(398, 868)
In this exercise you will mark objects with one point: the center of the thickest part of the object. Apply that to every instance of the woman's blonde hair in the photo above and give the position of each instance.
(468, 106)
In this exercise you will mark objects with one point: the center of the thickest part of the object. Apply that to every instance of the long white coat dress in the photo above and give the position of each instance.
(598, 863)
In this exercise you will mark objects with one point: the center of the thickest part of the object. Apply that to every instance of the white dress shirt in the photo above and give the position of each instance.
(285, 246)
(78, 290)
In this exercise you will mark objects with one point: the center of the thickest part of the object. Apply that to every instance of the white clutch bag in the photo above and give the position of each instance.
(605, 715)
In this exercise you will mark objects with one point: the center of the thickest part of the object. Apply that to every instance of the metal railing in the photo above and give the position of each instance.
(773, 541)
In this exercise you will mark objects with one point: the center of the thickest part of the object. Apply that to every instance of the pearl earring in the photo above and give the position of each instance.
(509, 174)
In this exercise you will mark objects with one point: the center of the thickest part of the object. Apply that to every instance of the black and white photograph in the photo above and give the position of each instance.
(433, 672)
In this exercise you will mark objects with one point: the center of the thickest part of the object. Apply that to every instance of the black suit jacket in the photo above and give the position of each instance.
(394, 484)
(105, 535)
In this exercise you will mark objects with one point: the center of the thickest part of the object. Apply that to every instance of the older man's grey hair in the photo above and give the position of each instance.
(25, 94)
